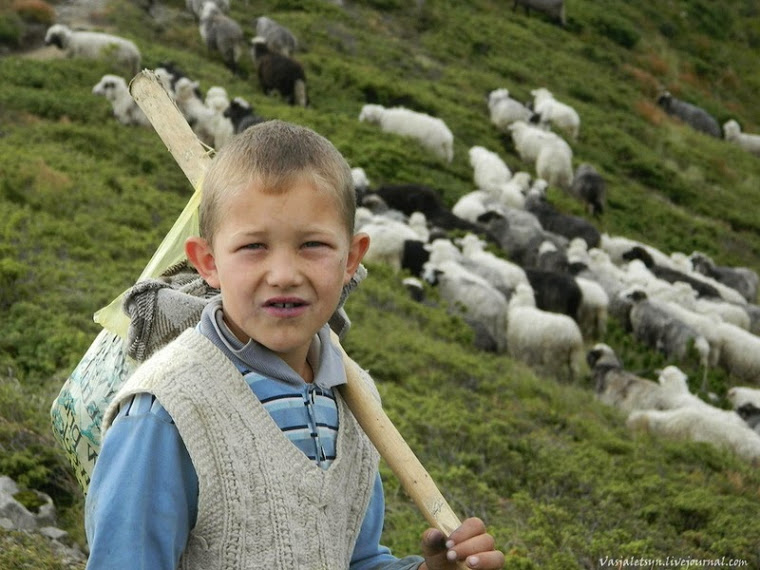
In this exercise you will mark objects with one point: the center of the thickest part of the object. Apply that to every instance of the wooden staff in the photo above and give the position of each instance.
(193, 158)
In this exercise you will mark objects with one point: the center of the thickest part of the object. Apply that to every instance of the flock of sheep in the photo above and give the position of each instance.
(534, 283)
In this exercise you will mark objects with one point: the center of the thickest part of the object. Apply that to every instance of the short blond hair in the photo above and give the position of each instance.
(275, 154)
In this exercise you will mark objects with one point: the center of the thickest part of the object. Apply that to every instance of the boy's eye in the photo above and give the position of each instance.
(314, 244)
(254, 246)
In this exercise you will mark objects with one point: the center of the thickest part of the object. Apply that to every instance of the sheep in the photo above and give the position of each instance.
(279, 38)
(593, 311)
(529, 139)
(95, 45)
(279, 73)
(502, 274)
(474, 204)
(676, 389)
(409, 198)
(221, 34)
(547, 257)
(555, 292)
(696, 117)
(555, 9)
(504, 110)
(554, 164)
(210, 126)
(114, 88)
(478, 302)
(550, 342)
(218, 124)
(361, 183)
(618, 387)
(721, 428)
(555, 113)
(702, 284)
(196, 6)
(732, 132)
(746, 402)
(589, 187)
(490, 172)
(512, 193)
(242, 114)
(387, 237)
(659, 329)
(743, 279)
(552, 220)
(518, 233)
(431, 132)
(739, 352)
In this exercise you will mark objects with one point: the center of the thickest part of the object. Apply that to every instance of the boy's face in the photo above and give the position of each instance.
(281, 261)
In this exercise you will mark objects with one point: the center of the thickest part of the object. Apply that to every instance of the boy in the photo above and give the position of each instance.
(231, 447)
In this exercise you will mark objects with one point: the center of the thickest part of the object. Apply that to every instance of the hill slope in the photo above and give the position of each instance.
(561, 483)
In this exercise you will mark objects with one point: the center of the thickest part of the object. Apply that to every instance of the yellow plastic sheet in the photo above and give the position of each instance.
(169, 252)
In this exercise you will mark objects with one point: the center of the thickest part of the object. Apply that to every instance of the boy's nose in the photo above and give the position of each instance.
(283, 270)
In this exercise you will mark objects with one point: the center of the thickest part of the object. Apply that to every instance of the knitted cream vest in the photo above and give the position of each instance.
(262, 503)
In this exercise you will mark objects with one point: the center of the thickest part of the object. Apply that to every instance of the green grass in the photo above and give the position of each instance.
(84, 202)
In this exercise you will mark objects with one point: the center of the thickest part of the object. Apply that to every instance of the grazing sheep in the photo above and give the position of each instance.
(361, 183)
(478, 302)
(529, 139)
(409, 198)
(552, 220)
(555, 9)
(721, 428)
(198, 115)
(490, 172)
(512, 192)
(593, 311)
(196, 6)
(550, 342)
(114, 88)
(618, 387)
(589, 187)
(518, 233)
(555, 292)
(743, 279)
(95, 45)
(242, 115)
(279, 73)
(505, 110)
(387, 237)
(431, 132)
(548, 257)
(555, 113)
(554, 164)
(676, 389)
(657, 328)
(474, 204)
(696, 117)
(746, 402)
(218, 124)
(502, 274)
(732, 132)
(221, 34)
(279, 38)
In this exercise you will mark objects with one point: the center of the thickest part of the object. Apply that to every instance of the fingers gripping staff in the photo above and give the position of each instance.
(193, 158)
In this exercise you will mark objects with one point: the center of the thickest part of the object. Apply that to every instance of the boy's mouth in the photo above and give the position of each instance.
(285, 307)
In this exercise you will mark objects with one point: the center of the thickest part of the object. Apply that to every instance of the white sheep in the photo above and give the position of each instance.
(721, 428)
(478, 302)
(556, 113)
(593, 312)
(221, 34)
(512, 193)
(740, 395)
(554, 164)
(502, 274)
(196, 6)
(472, 205)
(114, 88)
(490, 172)
(387, 237)
(198, 115)
(732, 132)
(504, 110)
(431, 132)
(676, 389)
(279, 38)
(218, 124)
(550, 342)
(618, 387)
(95, 45)
(528, 139)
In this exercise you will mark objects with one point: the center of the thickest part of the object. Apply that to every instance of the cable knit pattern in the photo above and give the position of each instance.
(262, 503)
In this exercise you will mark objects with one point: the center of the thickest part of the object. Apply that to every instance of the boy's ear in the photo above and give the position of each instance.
(201, 255)
(359, 246)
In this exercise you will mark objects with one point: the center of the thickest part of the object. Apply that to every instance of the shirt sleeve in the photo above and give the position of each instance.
(142, 499)
(369, 554)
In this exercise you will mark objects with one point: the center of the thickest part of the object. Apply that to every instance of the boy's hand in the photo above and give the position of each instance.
(470, 544)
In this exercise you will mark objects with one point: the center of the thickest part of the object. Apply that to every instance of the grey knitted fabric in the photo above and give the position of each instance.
(160, 309)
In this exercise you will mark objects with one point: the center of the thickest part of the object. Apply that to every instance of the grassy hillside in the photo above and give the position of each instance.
(84, 201)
